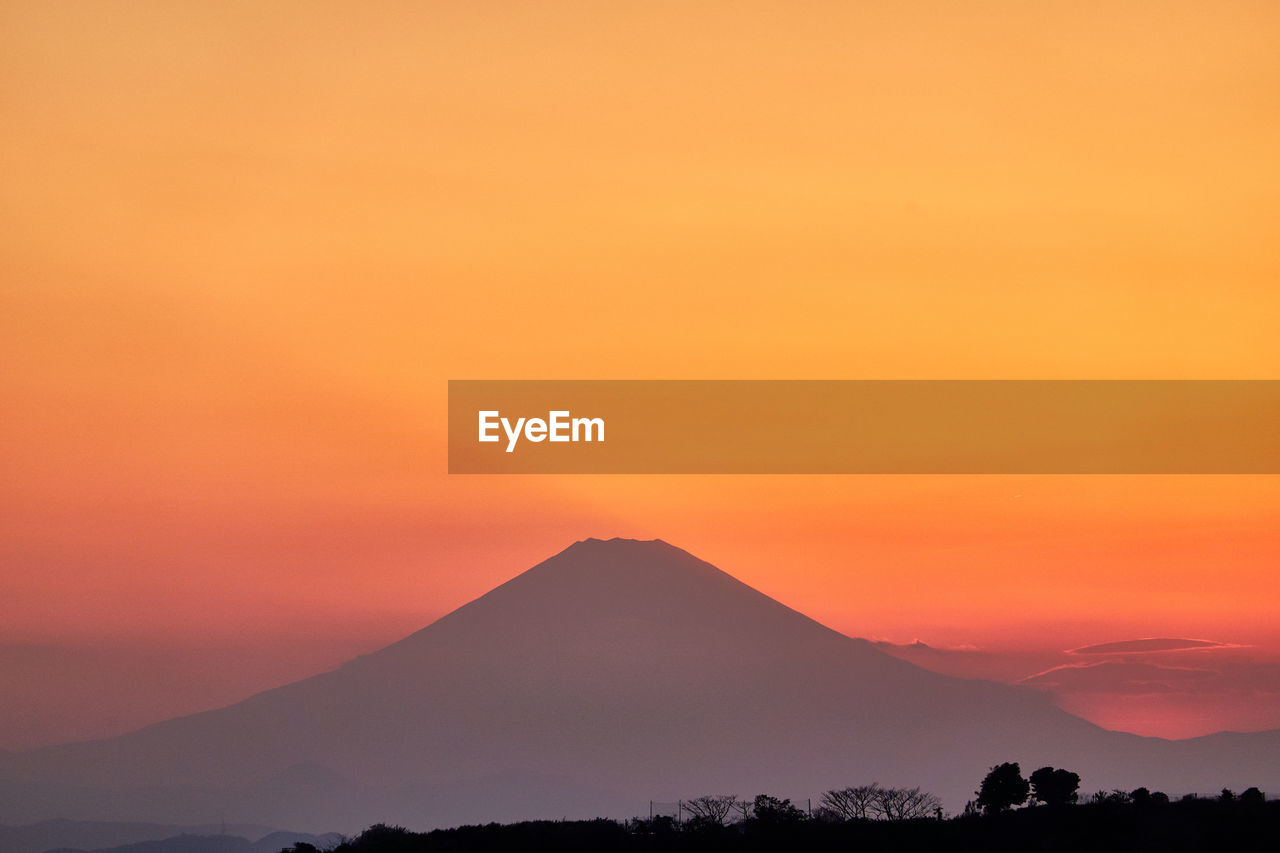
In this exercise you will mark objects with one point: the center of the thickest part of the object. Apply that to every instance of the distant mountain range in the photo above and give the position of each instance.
(69, 836)
(614, 673)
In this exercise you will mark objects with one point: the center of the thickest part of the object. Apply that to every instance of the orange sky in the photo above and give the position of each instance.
(242, 248)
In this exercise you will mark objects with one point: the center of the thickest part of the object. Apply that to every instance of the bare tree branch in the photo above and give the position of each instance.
(852, 803)
(711, 808)
(871, 802)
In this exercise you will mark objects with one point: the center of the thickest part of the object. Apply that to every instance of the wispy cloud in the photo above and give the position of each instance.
(1150, 645)
(1165, 686)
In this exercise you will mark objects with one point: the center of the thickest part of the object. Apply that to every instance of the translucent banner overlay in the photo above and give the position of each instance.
(864, 427)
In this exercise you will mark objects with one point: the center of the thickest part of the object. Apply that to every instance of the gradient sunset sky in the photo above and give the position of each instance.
(243, 246)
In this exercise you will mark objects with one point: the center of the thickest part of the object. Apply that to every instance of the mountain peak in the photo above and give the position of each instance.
(618, 568)
(602, 586)
(641, 559)
(593, 542)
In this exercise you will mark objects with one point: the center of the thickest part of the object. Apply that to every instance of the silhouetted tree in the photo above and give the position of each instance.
(1227, 796)
(871, 802)
(1160, 798)
(1055, 788)
(905, 804)
(1114, 797)
(382, 838)
(773, 812)
(1141, 797)
(660, 825)
(711, 809)
(1253, 797)
(1003, 788)
(852, 803)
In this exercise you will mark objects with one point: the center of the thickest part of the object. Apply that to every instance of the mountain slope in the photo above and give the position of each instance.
(83, 835)
(611, 674)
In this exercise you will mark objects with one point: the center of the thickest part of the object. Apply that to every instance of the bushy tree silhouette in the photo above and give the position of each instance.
(1003, 788)
(663, 827)
(773, 812)
(382, 838)
(1055, 788)
(1114, 797)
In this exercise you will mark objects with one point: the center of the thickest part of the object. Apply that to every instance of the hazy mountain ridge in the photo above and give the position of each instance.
(613, 673)
(190, 843)
(64, 836)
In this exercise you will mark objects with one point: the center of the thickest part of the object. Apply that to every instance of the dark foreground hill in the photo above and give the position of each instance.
(1180, 827)
(614, 673)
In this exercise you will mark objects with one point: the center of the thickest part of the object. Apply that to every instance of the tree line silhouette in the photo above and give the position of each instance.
(863, 802)
(1009, 813)
(1003, 788)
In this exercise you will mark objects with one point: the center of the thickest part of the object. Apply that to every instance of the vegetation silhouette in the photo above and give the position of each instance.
(772, 813)
(850, 819)
(1002, 789)
(1055, 788)
(713, 809)
(872, 802)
